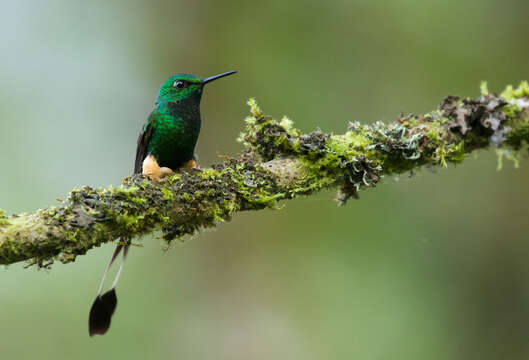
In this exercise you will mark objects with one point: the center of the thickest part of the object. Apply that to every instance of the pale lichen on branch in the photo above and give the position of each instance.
(279, 162)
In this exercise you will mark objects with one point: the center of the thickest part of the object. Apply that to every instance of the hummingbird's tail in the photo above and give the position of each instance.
(104, 305)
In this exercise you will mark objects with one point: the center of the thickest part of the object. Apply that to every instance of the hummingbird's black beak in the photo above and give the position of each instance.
(215, 77)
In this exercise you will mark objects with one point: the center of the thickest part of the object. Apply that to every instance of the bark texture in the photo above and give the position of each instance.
(279, 163)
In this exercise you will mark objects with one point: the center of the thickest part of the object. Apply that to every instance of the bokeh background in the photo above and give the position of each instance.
(432, 266)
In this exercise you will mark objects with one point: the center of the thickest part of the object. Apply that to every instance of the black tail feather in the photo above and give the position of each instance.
(104, 305)
(101, 313)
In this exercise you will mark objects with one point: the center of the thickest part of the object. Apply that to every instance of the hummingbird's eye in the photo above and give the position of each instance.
(179, 84)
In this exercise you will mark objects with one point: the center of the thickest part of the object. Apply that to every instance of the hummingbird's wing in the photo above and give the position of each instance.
(143, 143)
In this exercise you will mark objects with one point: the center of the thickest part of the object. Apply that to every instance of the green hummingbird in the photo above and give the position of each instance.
(165, 144)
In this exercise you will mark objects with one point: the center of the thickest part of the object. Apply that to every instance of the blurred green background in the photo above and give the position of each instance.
(432, 266)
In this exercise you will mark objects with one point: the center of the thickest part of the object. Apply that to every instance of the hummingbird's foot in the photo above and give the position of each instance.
(164, 171)
(152, 170)
(192, 164)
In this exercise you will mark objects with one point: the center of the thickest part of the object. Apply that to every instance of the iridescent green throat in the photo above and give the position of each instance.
(176, 128)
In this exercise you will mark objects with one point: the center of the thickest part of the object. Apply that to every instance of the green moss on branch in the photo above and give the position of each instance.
(279, 163)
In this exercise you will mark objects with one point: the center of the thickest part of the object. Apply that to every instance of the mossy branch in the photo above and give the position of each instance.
(279, 163)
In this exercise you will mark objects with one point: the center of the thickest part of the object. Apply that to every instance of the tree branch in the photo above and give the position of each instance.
(279, 163)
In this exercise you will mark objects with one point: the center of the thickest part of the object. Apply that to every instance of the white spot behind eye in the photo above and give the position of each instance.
(179, 84)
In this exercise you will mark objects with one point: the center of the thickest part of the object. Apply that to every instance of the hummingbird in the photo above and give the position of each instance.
(166, 144)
